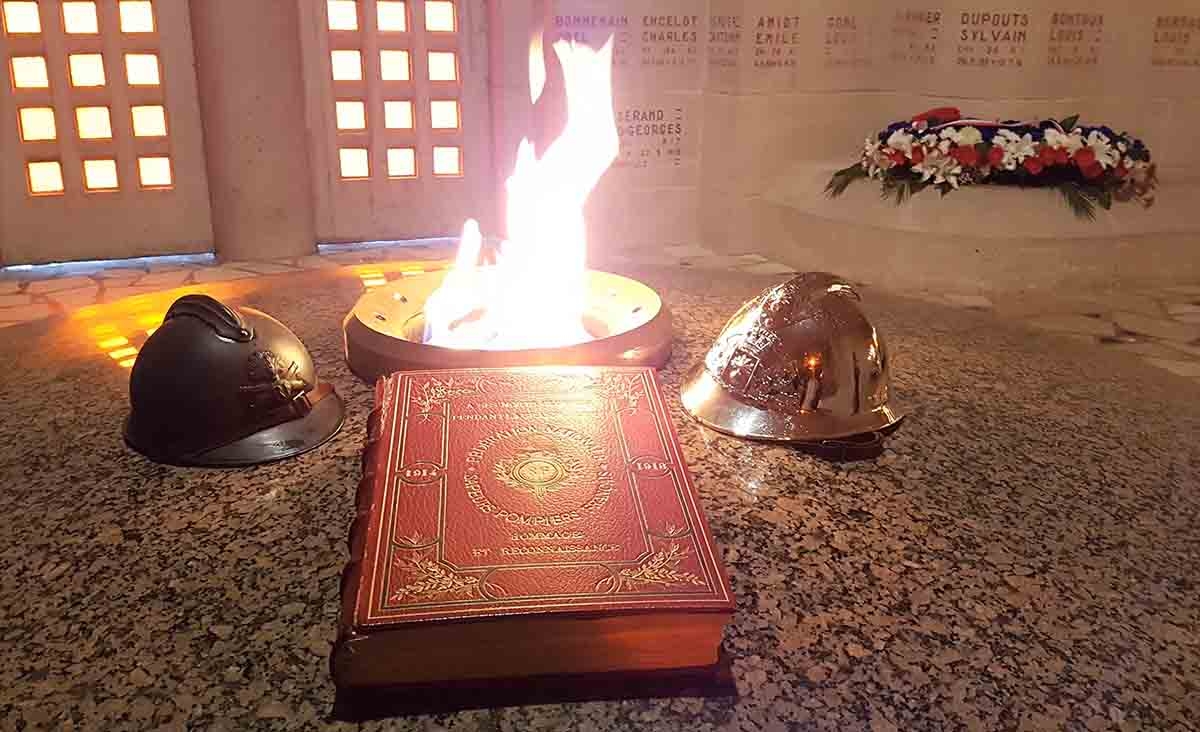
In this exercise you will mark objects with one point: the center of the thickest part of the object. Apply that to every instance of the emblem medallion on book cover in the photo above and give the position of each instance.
(537, 472)
(562, 470)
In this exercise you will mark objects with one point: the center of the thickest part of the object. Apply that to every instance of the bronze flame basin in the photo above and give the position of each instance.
(628, 322)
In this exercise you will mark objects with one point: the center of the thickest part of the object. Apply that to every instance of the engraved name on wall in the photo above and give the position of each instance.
(671, 56)
(1076, 39)
(1017, 49)
(1175, 43)
(992, 39)
(662, 49)
(914, 36)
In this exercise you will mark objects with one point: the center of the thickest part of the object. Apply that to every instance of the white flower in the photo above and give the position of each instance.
(1070, 142)
(939, 168)
(1099, 144)
(930, 140)
(900, 140)
(871, 157)
(964, 136)
(970, 136)
(1016, 148)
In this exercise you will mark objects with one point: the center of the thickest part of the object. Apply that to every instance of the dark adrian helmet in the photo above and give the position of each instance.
(219, 387)
(798, 363)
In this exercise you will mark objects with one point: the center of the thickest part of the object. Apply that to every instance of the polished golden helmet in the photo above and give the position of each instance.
(798, 363)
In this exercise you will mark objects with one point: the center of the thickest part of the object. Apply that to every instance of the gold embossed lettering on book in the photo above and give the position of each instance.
(521, 522)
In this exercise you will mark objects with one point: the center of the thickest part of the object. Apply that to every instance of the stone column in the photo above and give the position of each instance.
(252, 105)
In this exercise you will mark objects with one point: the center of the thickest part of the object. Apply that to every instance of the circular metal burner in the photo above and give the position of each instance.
(626, 319)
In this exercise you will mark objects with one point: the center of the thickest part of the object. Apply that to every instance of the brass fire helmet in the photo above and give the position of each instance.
(798, 363)
(219, 387)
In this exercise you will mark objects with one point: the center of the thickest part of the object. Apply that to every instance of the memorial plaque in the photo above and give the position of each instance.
(847, 41)
(989, 51)
(726, 39)
(1176, 42)
(777, 42)
(1076, 39)
(992, 39)
(1078, 52)
(594, 24)
(659, 140)
(914, 35)
(662, 49)
(669, 48)
(799, 47)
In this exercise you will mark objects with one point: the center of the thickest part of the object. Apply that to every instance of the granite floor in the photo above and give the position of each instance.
(1023, 556)
(1160, 325)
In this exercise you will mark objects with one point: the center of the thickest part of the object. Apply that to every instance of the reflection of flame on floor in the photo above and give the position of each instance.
(376, 275)
(372, 277)
(119, 329)
(117, 338)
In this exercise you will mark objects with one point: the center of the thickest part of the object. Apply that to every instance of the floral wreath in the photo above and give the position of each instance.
(1089, 166)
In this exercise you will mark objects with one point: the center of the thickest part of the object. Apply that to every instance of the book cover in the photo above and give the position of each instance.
(554, 491)
(528, 490)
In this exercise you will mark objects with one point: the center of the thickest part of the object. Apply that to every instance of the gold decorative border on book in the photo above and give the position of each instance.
(623, 392)
(662, 568)
(434, 393)
(434, 580)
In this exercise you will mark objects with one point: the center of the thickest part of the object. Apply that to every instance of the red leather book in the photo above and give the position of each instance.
(521, 522)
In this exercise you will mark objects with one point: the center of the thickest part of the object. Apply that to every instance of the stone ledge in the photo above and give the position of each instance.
(964, 263)
(985, 212)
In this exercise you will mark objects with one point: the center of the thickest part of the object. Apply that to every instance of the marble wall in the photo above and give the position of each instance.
(734, 112)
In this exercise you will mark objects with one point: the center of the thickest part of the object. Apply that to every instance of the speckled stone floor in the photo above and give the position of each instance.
(1023, 556)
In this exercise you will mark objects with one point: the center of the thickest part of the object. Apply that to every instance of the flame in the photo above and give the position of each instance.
(537, 68)
(535, 293)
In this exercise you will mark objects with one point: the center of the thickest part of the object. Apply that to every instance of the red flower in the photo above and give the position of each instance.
(1033, 164)
(896, 157)
(995, 156)
(1061, 156)
(966, 155)
(1121, 171)
(1092, 170)
(1084, 157)
(1047, 155)
(917, 154)
(939, 115)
